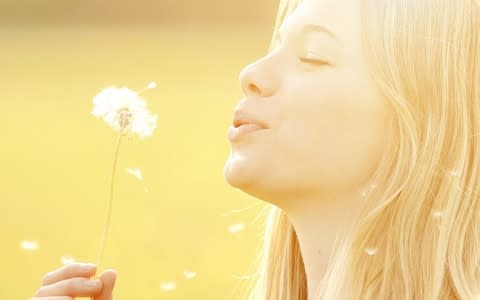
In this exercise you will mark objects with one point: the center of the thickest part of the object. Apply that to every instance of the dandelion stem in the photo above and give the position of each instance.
(108, 211)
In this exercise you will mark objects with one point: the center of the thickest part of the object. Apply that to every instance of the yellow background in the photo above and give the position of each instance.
(56, 157)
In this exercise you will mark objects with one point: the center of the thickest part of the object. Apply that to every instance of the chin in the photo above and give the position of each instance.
(245, 178)
(233, 176)
(240, 173)
(250, 179)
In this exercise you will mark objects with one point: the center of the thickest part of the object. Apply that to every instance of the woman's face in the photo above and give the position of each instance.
(327, 122)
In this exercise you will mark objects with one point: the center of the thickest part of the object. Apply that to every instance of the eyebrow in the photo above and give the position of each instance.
(316, 28)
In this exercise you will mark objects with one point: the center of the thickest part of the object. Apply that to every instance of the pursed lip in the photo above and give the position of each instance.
(242, 117)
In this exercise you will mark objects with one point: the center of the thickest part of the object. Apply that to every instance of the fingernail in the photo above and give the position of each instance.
(91, 283)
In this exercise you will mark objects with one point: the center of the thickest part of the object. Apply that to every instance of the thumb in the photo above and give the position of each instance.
(108, 279)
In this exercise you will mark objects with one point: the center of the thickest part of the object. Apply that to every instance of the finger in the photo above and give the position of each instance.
(108, 278)
(53, 298)
(69, 271)
(73, 287)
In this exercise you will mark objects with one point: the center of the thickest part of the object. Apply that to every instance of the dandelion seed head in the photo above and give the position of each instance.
(124, 119)
(189, 274)
(371, 251)
(236, 227)
(29, 245)
(168, 286)
(124, 111)
(144, 123)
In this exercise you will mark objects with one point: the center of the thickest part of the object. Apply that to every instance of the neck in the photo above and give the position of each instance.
(319, 222)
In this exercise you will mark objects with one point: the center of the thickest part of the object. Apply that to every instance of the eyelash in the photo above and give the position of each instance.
(307, 60)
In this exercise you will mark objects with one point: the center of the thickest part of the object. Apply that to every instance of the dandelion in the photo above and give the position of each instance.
(29, 245)
(126, 112)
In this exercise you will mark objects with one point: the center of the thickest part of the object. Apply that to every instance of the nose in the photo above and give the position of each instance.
(258, 79)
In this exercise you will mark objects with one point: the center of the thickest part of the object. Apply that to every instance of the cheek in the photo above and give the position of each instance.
(334, 136)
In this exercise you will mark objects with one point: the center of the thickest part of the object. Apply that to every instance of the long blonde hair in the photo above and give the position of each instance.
(420, 236)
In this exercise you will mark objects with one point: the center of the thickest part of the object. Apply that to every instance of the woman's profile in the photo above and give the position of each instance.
(360, 130)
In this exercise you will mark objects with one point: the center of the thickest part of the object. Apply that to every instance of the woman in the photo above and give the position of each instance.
(365, 151)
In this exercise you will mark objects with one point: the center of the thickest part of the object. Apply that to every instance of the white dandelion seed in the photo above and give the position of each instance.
(453, 173)
(124, 111)
(66, 260)
(135, 172)
(437, 214)
(236, 227)
(168, 286)
(29, 245)
(189, 274)
(152, 85)
(233, 211)
(242, 277)
(371, 250)
(370, 188)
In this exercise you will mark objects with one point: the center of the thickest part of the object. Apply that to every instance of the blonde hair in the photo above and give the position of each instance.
(419, 238)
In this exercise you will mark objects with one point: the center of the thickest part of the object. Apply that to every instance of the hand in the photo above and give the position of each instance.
(72, 281)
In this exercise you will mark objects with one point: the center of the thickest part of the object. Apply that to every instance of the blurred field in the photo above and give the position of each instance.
(56, 157)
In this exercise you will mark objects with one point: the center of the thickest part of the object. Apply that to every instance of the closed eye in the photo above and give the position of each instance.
(313, 61)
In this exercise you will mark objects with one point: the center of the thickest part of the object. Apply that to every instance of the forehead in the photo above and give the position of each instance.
(341, 17)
